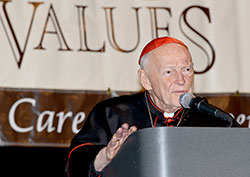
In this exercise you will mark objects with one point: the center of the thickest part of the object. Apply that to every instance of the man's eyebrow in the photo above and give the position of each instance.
(167, 67)
(191, 64)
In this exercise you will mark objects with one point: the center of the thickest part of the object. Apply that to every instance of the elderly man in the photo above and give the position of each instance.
(166, 72)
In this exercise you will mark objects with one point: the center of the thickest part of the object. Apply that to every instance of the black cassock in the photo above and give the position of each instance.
(107, 116)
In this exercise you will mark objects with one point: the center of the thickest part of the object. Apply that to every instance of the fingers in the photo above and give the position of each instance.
(119, 136)
(132, 129)
(118, 139)
(123, 132)
(105, 156)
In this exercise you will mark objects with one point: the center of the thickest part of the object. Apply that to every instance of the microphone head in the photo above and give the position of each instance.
(185, 99)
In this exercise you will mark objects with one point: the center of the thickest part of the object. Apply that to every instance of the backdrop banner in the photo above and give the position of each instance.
(59, 58)
(52, 118)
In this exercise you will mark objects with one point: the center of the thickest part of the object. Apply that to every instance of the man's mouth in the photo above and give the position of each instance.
(180, 91)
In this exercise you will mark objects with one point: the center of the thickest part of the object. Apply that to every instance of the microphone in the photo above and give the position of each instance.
(189, 101)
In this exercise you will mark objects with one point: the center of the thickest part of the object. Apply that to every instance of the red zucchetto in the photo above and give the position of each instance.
(157, 43)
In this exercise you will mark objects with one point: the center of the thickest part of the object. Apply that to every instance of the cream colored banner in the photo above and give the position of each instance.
(94, 44)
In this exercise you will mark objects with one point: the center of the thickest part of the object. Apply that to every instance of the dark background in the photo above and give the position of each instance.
(33, 161)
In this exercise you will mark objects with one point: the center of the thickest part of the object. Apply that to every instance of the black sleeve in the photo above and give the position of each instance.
(93, 172)
(80, 162)
(94, 135)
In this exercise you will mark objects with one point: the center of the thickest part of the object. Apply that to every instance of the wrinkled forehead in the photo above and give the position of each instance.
(170, 49)
(175, 55)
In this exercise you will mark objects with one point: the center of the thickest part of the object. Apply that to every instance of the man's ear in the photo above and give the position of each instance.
(144, 80)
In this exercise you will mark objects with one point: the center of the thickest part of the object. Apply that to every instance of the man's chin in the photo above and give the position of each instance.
(177, 103)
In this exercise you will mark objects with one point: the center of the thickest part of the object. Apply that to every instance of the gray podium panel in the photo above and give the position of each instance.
(183, 152)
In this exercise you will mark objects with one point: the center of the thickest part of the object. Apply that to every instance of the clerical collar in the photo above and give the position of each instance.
(165, 114)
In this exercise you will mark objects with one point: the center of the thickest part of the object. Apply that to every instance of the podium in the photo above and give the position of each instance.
(183, 152)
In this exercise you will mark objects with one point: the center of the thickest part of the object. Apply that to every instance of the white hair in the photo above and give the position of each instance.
(144, 61)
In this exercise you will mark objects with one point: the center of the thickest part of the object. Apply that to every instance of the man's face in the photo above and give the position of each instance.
(168, 74)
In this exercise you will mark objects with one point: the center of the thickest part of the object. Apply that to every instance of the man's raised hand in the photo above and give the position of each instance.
(105, 156)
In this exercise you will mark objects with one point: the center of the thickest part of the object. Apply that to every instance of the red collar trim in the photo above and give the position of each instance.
(155, 121)
(151, 101)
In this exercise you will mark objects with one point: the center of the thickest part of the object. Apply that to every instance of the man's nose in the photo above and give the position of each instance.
(180, 79)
